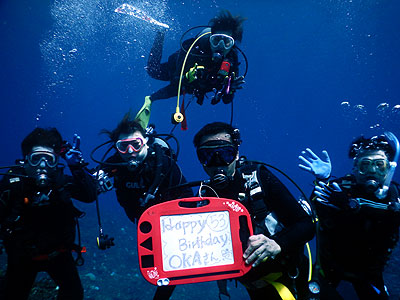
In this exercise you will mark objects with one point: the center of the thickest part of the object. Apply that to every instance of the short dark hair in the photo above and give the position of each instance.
(126, 126)
(215, 128)
(224, 21)
(46, 137)
(361, 145)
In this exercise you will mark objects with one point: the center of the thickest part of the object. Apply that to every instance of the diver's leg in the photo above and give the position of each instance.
(164, 292)
(166, 92)
(62, 269)
(154, 67)
(20, 275)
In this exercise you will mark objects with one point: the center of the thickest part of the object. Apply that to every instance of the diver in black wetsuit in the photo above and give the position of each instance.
(143, 169)
(359, 217)
(281, 225)
(212, 64)
(37, 217)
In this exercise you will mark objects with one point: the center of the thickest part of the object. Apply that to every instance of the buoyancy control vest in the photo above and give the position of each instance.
(253, 197)
(265, 221)
(24, 207)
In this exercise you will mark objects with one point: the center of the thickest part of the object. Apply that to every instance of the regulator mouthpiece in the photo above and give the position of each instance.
(371, 185)
(42, 180)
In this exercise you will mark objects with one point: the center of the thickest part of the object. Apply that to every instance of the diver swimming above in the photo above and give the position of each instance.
(359, 216)
(208, 63)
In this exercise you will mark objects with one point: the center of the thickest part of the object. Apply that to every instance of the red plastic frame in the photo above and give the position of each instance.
(150, 248)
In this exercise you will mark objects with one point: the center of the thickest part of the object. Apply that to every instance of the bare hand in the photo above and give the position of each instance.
(259, 248)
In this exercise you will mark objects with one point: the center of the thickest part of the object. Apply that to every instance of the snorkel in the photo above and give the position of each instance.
(382, 192)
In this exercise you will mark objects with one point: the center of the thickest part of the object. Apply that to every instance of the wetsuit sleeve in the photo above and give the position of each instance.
(176, 178)
(298, 225)
(129, 201)
(9, 186)
(4, 198)
(81, 185)
(155, 68)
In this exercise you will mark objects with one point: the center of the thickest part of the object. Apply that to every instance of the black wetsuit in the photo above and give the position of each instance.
(355, 244)
(200, 54)
(132, 186)
(296, 228)
(38, 228)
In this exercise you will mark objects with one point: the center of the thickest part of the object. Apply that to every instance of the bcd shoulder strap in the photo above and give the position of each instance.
(254, 190)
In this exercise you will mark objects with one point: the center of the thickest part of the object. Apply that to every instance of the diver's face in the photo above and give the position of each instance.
(132, 146)
(371, 165)
(41, 164)
(229, 170)
(222, 46)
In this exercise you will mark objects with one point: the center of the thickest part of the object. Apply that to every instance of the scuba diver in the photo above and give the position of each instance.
(281, 226)
(38, 218)
(207, 63)
(143, 168)
(359, 216)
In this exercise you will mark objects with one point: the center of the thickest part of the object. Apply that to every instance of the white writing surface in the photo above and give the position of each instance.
(196, 240)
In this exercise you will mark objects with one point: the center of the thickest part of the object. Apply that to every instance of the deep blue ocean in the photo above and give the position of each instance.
(320, 73)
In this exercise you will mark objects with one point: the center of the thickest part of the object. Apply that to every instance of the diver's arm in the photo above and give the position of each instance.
(3, 204)
(174, 177)
(298, 225)
(178, 179)
(6, 194)
(82, 185)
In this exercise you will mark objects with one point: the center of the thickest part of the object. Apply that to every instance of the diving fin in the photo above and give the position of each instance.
(128, 9)
(143, 115)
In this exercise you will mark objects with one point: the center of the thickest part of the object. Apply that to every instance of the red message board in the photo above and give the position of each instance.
(180, 243)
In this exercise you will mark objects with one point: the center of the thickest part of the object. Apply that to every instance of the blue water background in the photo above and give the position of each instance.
(78, 66)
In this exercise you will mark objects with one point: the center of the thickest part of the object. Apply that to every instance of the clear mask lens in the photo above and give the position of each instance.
(135, 144)
(224, 40)
(379, 166)
(36, 158)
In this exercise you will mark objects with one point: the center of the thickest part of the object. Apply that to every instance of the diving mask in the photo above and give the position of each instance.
(130, 145)
(37, 157)
(220, 40)
(379, 166)
(217, 153)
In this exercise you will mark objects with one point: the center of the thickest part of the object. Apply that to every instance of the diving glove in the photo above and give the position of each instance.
(320, 168)
(394, 207)
(237, 82)
(333, 196)
(74, 155)
(143, 115)
(194, 73)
